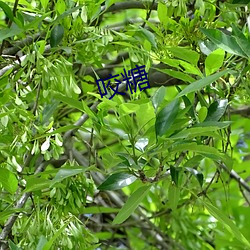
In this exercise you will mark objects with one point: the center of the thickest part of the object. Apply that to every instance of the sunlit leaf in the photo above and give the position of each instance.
(185, 54)
(98, 210)
(219, 125)
(70, 101)
(178, 74)
(67, 172)
(8, 180)
(158, 97)
(117, 181)
(173, 196)
(131, 204)
(193, 132)
(128, 108)
(202, 114)
(7, 10)
(49, 244)
(162, 12)
(198, 85)
(34, 183)
(229, 224)
(214, 61)
(223, 41)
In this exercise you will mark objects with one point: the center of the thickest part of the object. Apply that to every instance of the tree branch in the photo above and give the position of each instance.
(236, 177)
(20, 203)
(16, 63)
(21, 44)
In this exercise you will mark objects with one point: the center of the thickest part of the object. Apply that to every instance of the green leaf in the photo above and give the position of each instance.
(13, 246)
(9, 211)
(193, 132)
(148, 35)
(166, 117)
(189, 68)
(216, 110)
(88, 111)
(219, 125)
(204, 150)
(56, 35)
(132, 203)
(56, 131)
(173, 196)
(108, 3)
(35, 21)
(227, 223)
(177, 74)
(198, 175)
(8, 180)
(128, 108)
(44, 3)
(98, 210)
(238, 33)
(41, 243)
(66, 172)
(49, 110)
(174, 172)
(49, 244)
(202, 114)
(214, 61)
(188, 105)
(223, 41)
(7, 10)
(186, 54)
(244, 45)
(70, 101)
(68, 12)
(33, 183)
(162, 12)
(9, 32)
(198, 85)
(194, 161)
(117, 181)
(158, 97)
(207, 46)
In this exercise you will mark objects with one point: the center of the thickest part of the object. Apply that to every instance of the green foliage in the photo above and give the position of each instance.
(164, 168)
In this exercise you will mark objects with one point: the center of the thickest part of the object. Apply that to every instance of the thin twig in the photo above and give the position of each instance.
(37, 97)
(235, 176)
(21, 44)
(20, 203)
(244, 195)
(148, 14)
(9, 25)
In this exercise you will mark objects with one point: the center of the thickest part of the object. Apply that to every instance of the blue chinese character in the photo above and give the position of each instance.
(109, 86)
(139, 75)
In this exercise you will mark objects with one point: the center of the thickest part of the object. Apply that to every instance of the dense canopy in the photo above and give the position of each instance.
(124, 124)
